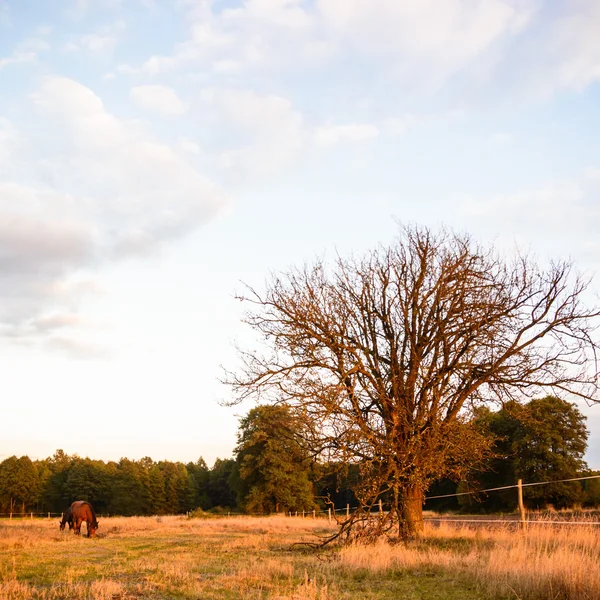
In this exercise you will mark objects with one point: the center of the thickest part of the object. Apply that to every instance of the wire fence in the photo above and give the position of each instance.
(508, 487)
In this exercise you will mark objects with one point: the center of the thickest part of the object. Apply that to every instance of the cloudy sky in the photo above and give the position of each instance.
(155, 153)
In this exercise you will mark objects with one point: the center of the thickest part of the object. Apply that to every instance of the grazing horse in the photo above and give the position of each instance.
(83, 511)
(67, 518)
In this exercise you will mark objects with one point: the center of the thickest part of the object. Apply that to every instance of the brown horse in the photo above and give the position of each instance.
(83, 511)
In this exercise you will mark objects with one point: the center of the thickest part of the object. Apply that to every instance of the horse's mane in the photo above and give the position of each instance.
(93, 512)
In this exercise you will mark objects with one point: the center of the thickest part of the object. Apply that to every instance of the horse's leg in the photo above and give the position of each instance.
(77, 526)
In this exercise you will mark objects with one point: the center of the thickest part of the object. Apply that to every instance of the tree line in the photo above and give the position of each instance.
(127, 487)
(273, 470)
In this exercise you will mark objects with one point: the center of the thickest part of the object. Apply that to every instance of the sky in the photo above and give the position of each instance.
(156, 154)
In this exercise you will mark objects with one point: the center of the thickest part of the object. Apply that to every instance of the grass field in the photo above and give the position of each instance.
(255, 558)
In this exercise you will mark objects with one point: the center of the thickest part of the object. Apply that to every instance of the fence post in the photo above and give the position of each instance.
(48, 516)
(380, 508)
(31, 515)
(521, 505)
(10, 516)
(329, 514)
(347, 510)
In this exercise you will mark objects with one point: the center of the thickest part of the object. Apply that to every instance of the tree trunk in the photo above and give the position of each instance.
(411, 512)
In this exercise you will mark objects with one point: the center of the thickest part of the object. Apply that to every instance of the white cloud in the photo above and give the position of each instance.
(26, 51)
(189, 145)
(400, 125)
(99, 44)
(18, 58)
(8, 140)
(98, 189)
(424, 43)
(33, 45)
(421, 38)
(257, 133)
(158, 98)
(44, 29)
(571, 50)
(5, 15)
(259, 34)
(565, 211)
(454, 30)
(355, 132)
(501, 138)
(80, 8)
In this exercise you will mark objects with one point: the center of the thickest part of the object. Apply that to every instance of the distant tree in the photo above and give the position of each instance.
(543, 440)
(55, 495)
(129, 495)
(44, 470)
(274, 468)
(388, 354)
(444, 487)
(156, 491)
(179, 487)
(591, 490)
(200, 474)
(19, 484)
(220, 488)
(88, 480)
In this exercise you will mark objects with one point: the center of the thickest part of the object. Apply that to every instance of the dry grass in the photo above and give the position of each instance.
(544, 563)
(160, 557)
(254, 558)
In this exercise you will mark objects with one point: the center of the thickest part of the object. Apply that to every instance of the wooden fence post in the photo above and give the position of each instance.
(314, 514)
(347, 510)
(329, 514)
(380, 508)
(521, 505)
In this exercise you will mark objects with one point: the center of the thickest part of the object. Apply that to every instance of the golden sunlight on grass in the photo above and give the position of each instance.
(258, 559)
(543, 563)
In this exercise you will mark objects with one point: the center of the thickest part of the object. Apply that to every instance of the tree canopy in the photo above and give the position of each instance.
(542, 440)
(387, 355)
(274, 469)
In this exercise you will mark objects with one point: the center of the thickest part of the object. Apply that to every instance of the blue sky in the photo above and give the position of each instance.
(154, 154)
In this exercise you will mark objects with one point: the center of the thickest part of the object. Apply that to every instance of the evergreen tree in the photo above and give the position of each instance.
(127, 491)
(200, 474)
(220, 490)
(274, 469)
(156, 491)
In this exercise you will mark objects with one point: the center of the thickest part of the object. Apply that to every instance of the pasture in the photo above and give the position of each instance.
(256, 558)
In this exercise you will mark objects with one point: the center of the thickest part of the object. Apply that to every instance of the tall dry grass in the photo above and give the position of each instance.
(543, 563)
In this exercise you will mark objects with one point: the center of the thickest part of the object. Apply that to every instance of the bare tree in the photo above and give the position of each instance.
(387, 355)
